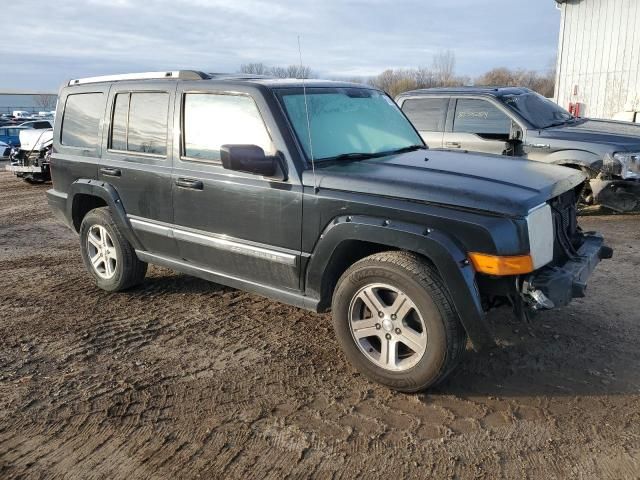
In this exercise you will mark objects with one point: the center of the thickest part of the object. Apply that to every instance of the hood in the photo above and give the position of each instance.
(35, 139)
(619, 135)
(493, 183)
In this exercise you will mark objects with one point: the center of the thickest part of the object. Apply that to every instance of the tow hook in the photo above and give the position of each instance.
(535, 298)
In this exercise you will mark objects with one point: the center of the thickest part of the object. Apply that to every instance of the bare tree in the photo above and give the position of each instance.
(254, 69)
(543, 83)
(291, 71)
(444, 66)
(298, 71)
(45, 101)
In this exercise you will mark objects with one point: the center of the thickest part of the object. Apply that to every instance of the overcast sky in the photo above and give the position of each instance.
(56, 40)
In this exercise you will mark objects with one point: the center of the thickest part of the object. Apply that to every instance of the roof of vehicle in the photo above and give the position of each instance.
(266, 81)
(479, 90)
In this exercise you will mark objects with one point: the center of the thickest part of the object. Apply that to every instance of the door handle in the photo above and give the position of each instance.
(111, 172)
(190, 183)
(452, 144)
(539, 145)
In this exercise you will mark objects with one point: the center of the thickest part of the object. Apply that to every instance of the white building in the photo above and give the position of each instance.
(599, 56)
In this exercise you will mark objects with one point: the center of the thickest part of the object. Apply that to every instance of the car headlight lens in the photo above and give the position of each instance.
(629, 164)
(540, 226)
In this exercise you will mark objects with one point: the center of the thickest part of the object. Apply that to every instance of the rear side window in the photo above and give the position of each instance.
(212, 120)
(427, 114)
(139, 122)
(480, 117)
(81, 121)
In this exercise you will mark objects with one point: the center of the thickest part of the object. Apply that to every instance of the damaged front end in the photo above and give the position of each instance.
(617, 186)
(575, 256)
(31, 161)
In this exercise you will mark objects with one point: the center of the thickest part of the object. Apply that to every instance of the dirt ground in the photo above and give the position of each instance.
(181, 378)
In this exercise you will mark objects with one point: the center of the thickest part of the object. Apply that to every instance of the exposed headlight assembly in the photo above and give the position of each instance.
(625, 164)
(540, 226)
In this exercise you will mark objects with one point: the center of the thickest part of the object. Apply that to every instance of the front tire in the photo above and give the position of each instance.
(396, 323)
(107, 254)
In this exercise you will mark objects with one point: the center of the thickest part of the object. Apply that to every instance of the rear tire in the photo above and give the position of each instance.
(107, 254)
(414, 338)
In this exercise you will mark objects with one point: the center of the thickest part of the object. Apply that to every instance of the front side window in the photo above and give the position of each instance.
(427, 114)
(347, 121)
(140, 122)
(81, 120)
(482, 118)
(212, 120)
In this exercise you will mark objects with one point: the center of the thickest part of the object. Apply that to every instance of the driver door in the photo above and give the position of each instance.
(479, 126)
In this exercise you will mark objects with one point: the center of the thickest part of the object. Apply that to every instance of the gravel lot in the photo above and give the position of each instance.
(181, 378)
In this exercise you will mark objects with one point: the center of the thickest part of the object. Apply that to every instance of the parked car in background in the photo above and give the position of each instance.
(31, 160)
(320, 194)
(519, 122)
(5, 150)
(11, 135)
(37, 124)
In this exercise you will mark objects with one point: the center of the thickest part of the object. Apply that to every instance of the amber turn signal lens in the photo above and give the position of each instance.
(494, 265)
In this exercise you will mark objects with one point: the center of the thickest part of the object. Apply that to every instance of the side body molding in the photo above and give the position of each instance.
(449, 259)
(106, 192)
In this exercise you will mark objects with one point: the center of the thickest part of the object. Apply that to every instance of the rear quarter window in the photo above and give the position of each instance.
(427, 114)
(81, 120)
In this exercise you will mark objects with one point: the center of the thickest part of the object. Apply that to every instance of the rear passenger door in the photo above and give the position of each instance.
(428, 115)
(137, 158)
(478, 126)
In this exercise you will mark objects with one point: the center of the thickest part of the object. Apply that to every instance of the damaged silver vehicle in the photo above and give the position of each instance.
(30, 161)
(519, 122)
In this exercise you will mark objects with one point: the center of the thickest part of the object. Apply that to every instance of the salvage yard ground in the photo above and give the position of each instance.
(181, 378)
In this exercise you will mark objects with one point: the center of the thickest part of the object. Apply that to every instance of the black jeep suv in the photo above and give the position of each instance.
(318, 194)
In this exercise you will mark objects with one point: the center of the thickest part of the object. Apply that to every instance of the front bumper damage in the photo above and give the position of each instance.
(555, 286)
(616, 194)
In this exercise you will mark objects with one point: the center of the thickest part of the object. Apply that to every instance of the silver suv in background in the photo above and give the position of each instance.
(519, 122)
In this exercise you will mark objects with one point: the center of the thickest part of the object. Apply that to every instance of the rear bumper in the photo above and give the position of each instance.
(561, 284)
(58, 204)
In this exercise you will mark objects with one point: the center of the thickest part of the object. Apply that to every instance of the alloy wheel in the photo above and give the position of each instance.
(387, 327)
(102, 252)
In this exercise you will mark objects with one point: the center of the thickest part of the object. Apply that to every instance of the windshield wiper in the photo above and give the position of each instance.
(351, 156)
(410, 148)
(367, 155)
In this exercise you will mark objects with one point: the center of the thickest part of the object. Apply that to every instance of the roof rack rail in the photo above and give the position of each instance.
(180, 74)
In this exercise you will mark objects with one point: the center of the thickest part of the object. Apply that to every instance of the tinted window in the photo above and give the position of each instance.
(427, 114)
(81, 120)
(140, 122)
(213, 120)
(480, 117)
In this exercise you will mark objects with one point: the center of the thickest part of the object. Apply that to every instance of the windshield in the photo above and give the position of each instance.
(537, 110)
(354, 122)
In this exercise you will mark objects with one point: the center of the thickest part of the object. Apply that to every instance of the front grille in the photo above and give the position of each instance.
(565, 225)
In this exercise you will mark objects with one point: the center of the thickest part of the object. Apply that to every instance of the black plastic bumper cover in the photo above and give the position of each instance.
(562, 284)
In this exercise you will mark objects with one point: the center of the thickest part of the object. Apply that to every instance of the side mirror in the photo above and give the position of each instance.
(515, 135)
(249, 159)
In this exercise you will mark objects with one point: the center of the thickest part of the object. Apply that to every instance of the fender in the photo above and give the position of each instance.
(576, 157)
(108, 193)
(449, 259)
